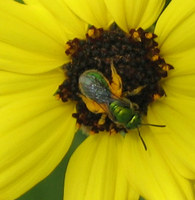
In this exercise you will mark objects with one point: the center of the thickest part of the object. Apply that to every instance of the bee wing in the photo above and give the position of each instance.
(95, 86)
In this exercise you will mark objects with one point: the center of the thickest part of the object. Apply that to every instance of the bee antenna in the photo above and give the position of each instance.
(145, 147)
(156, 125)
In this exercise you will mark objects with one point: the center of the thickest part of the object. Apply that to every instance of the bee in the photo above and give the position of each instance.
(101, 96)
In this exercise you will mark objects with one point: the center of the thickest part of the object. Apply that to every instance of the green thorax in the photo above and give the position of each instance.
(124, 115)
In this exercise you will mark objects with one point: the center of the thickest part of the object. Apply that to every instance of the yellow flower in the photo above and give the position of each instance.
(36, 130)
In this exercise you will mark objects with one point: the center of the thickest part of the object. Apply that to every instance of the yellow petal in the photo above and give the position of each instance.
(134, 14)
(176, 27)
(14, 86)
(31, 44)
(133, 195)
(36, 131)
(149, 172)
(180, 86)
(183, 63)
(95, 172)
(69, 22)
(93, 12)
(178, 141)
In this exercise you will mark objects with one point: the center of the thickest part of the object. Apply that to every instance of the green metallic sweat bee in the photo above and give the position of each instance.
(102, 97)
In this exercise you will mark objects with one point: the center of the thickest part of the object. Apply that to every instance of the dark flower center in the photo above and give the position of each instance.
(136, 59)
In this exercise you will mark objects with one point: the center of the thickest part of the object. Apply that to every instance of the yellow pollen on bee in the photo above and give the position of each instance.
(155, 57)
(92, 105)
(149, 35)
(156, 97)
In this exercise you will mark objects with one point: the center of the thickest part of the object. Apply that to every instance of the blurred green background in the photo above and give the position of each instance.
(51, 188)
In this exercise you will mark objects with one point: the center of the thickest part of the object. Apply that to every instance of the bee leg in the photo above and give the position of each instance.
(116, 85)
(134, 92)
(92, 105)
(102, 119)
(135, 106)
